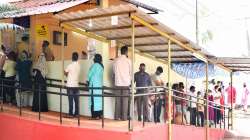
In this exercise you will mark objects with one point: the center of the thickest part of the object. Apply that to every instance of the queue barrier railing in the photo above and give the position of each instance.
(156, 91)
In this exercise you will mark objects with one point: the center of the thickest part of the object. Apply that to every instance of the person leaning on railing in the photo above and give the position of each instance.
(159, 100)
(73, 72)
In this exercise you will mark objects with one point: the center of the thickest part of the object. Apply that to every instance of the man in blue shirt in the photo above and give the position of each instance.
(142, 79)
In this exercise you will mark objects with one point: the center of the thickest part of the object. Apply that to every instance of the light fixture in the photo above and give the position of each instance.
(199, 57)
(90, 23)
(114, 20)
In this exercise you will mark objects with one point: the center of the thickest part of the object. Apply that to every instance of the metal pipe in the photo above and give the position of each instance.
(60, 105)
(232, 106)
(169, 92)
(39, 102)
(20, 101)
(197, 22)
(62, 56)
(102, 108)
(207, 115)
(133, 70)
(2, 93)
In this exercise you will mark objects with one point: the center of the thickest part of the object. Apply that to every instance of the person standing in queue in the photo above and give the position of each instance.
(193, 105)
(159, 102)
(95, 80)
(40, 71)
(122, 74)
(73, 72)
(142, 79)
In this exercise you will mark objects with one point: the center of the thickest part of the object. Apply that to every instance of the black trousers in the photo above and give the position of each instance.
(200, 119)
(217, 114)
(157, 108)
(193, 115)
(73, 98)
(10, 90)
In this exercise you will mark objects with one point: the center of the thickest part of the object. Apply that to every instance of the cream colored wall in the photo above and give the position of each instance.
(102, 48)
(75, 41)
(151, 66)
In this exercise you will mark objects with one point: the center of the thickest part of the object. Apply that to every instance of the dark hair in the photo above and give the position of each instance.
(159, 69)
(124, 49)
(3, 48)
(98, 59)
(45, 43)
(219, 89)
(26, 53)
(84, 53)
(192, 88)
(181, 84)
(216, 87)
(74, 56)
(12, 56)
(142, 64)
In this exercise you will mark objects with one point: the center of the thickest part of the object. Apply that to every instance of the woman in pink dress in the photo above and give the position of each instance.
(244, 97)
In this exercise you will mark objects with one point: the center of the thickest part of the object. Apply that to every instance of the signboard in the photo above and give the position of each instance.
(42, 31)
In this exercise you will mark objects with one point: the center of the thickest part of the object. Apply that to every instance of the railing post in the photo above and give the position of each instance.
(102, 107)
(78, 117)
(20, 99)
(39, 101)
(232, 106)
(224, 117)
(60, 105)
(2, 94)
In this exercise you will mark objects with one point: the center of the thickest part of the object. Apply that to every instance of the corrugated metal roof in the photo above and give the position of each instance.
(234, 63)
(146, 40)
(9, 26)
(35, 7)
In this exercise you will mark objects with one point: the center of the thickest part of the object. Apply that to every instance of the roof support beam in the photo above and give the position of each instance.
(118, 28)
(152, 44)
(83, 32)
(99, 16)
(182, 56)
(165, 50)
(129, 37)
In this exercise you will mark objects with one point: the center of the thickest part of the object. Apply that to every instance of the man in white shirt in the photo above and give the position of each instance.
(122, 71)
(159, 102)
(72, 72)
(193, 105)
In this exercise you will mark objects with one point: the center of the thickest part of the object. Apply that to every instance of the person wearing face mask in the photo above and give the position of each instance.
(23, 69)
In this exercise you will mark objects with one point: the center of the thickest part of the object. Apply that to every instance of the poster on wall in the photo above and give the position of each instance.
(91, 48)
(42, 31)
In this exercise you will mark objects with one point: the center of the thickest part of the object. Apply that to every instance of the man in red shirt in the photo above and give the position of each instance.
(231, 94)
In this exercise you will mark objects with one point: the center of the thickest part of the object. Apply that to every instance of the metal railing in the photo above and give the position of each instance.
(157, 91)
